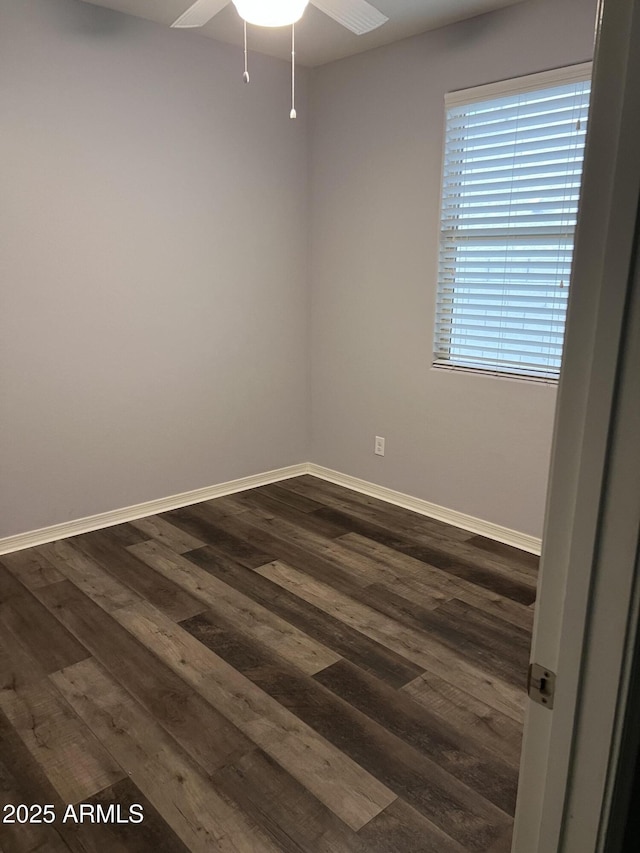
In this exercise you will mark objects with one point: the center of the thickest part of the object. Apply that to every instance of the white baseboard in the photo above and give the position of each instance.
(130, 513)
(524, 541)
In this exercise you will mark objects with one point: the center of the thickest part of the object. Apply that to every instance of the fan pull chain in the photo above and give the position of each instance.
(293, 113)
(245, 76)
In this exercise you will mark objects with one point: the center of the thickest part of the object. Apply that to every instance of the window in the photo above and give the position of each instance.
(511, 181)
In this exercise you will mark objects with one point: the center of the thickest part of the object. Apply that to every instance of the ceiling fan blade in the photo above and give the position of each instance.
(200, 13)
(356, 15)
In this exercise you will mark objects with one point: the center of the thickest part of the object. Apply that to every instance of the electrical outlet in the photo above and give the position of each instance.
(378, 447)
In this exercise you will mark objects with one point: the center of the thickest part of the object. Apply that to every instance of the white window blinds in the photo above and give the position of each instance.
(511, 181)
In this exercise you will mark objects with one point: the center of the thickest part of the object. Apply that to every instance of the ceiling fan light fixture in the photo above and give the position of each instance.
(271, 13)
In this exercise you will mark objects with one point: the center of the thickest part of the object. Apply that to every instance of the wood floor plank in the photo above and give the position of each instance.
(502, 844)
(24, 838)
(167, 534)
(272, 507)
(124, 534)
(298, 668)
(512, 561)
(224, 507)
(294, 818)
(87, 575)
(197, 521)
(43, 636)
(417, 581)
(22, 780)
(110, 835)
(184, 797)
(370, 726)
(460, 755)
(420, 648)
(412, 612)
(349, 791)
(456, 558)
(293, 499)
(437, 794)
(72, 759)
(31, 568)
(152, 835)
(330, 632)
(372, 509)
(478, 720)
(493, 604)
(489, 650)
(348, 578)
(292, 531)
(255, 620)
(522, 558)
(326, 560)
(402, 829)
(347, 565)
(460, 627)
(456, 542)
(208, 737)
(507, 641)
(18, 668)
(119, 562)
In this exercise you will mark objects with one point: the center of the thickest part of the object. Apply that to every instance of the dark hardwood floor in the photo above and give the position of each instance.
(293, 668)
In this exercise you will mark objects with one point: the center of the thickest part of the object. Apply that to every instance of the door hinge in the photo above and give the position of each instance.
(541, 685)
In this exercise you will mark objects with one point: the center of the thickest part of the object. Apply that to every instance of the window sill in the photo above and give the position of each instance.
(495, 374)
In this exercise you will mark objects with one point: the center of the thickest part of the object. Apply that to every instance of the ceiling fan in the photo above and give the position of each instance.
(356, 15)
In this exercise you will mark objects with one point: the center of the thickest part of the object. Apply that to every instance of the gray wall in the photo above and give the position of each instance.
(478, 445)
(154, 307)
(153, 298)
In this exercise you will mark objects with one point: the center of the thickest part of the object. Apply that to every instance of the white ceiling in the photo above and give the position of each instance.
(319, 39)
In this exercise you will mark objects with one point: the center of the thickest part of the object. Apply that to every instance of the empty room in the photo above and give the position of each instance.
(283, 306)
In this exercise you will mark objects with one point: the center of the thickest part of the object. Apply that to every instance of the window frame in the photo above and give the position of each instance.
(577, 73)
